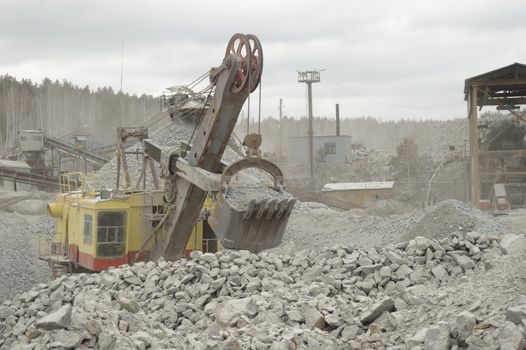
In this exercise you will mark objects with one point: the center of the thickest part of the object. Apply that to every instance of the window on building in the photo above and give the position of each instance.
(111, 234)
(329, 147)
(88, 228)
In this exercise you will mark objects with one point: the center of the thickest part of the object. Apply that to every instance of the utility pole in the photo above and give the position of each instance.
(309, 77)
(337, 119)
(280, 135)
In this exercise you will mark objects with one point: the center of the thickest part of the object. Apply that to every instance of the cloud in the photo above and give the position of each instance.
(383, 58)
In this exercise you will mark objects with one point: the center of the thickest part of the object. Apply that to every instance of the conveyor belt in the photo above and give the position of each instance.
(66, 148)
(29, 178)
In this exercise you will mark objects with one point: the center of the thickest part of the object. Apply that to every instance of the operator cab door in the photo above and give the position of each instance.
(111, 234)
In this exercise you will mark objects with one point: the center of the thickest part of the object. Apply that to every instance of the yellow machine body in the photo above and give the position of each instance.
(95, 233)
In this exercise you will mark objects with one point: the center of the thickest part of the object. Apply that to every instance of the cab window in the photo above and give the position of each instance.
(111, 234)
(88, 226)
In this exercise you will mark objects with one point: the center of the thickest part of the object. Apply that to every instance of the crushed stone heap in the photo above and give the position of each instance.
(314, 225)
(20, 268)
(421, 293)
(240, 195)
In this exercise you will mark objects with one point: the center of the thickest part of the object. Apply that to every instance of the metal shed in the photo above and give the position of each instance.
(350, 195)
(504, 88)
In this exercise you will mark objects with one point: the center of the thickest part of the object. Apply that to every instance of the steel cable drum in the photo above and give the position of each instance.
(249, 51)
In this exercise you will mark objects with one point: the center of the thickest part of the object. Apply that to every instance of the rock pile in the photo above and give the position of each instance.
(385, 207)
(20, 268)
(336, 298)
(313, 225)
(450, 216)
(240, 195)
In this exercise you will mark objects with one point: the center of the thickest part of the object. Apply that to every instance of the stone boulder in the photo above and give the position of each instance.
(375, 310)
(512, 244)
(56, 320)
(229, 311)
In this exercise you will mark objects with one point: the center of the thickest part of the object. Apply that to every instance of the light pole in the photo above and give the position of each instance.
(309, 77)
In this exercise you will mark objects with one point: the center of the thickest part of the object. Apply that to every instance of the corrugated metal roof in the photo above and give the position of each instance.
(13, 164)
(515, 71)
(353, 186)
(320, 136)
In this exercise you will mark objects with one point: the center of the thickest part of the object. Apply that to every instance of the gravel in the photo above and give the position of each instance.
(334, 298)
(454, 216)
(21, 269)
(315, 225)
(240, 195)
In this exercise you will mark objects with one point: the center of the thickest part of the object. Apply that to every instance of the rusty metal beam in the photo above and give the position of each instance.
(474, 148)
(498, 82)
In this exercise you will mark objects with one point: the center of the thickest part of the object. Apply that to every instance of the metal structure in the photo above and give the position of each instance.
(497, 149)
(41, 180)
(309, 77)
(99, 229)
(63, 147)
(38, 150)
(124, 134)
(196, 172)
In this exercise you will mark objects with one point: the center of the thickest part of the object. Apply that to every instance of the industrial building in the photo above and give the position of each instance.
(332, 149)
(497, 147)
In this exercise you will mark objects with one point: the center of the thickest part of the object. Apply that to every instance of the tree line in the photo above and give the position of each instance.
(60, 108)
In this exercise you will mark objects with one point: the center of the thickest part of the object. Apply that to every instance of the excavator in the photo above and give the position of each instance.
(99, 229)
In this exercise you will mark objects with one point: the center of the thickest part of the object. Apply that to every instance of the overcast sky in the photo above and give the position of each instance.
(388, 59)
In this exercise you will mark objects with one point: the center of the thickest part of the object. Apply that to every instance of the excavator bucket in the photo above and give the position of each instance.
(259, 225)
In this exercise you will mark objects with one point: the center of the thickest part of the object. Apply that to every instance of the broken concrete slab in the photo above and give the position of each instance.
(510, 337)
(437, 337)
(465, 324)
(56, 320)
(376, 309)
(516, 314)
(313, 318)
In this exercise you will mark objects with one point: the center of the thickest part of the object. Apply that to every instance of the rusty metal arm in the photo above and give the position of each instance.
(188, 179)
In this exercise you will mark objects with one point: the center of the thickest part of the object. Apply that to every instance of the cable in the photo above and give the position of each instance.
(197, 80)
(151, 121)
(196, 125)
(249, 85)
(259, 105)
(388, 103)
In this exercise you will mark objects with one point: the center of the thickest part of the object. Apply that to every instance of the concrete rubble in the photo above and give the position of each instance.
(340, 297)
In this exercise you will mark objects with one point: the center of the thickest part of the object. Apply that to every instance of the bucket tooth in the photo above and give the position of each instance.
(251, 208)
(262, 208)
(271, 208)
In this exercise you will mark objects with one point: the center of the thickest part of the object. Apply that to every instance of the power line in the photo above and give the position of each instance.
(389, 103)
